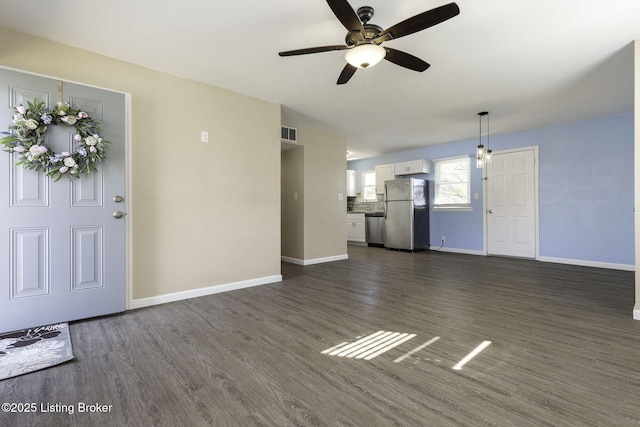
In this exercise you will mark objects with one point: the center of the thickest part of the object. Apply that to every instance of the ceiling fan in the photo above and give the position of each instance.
(364, 40)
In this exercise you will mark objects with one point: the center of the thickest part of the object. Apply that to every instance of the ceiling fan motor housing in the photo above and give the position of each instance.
(371, 31)
(365, 13)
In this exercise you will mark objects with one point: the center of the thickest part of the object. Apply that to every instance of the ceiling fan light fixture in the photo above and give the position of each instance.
(365, 55)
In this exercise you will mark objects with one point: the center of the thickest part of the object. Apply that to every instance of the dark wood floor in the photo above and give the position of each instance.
(565, 350)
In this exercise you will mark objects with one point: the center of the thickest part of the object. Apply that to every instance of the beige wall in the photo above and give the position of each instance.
(325, 165)
(293, 209)
(202, 214)
(324, 158)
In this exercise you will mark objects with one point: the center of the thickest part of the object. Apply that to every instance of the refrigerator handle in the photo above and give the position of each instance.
(385, 200)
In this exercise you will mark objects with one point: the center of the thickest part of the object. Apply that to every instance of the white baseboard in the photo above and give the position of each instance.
(636, 314)
(584, 263)
(580, 262)
(299, 261)
(457, 251)
(194, 293)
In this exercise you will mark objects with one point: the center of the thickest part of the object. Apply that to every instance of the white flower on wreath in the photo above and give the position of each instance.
(69, 162)
(70, 120)
(62, 108)
(31, 124)
(91, 140)
(36, 150)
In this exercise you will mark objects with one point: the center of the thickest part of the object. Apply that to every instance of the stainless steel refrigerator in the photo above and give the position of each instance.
(406, 209)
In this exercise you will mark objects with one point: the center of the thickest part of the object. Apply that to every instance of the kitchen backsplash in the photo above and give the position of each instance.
(356, 204)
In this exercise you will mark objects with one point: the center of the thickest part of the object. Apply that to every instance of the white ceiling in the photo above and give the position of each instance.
(530, 63)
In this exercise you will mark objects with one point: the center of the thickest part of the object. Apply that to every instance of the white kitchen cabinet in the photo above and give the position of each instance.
(412, 167)
(384, 173)
(356, 228)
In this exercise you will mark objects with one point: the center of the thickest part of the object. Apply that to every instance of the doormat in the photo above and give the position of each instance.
(33, 349)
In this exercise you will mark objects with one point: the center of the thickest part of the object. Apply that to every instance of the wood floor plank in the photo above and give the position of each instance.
(564, 350)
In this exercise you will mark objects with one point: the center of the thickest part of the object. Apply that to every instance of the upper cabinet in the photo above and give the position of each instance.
(412, 167)
(384, 173)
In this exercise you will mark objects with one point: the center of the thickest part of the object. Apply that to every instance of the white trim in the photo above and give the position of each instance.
(290, 260)
(457, 250)
(128, 191)
(585, 263)
(194, 293)
(636, 314)
(312, 261)
(450, 208)
(568, 261)
(48, 76)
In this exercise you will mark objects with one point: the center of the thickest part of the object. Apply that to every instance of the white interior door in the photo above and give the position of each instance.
(511, 204)
(62, 251)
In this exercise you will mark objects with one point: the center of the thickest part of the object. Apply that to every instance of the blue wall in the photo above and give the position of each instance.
(585, 189)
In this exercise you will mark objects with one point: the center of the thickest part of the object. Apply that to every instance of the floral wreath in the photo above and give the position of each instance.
(26, 138)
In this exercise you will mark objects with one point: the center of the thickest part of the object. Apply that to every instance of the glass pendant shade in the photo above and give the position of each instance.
(483, 155)
(365, 55)
(487, 156)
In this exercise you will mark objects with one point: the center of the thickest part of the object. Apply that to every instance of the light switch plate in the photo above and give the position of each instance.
(204, 136)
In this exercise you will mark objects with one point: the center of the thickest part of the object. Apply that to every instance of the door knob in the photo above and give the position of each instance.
(118, 214)
(117, 199)
(490, 211)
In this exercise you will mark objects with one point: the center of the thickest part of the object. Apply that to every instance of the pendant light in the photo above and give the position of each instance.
(483, 155)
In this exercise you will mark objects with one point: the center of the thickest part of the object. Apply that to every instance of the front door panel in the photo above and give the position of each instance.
(62, 253)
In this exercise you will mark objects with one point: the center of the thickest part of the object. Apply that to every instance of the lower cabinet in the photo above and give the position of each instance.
(355, 228)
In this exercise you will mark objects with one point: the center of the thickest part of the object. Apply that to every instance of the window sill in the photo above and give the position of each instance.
(461, 208)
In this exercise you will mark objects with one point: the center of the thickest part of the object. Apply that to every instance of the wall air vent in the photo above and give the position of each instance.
(289, 134)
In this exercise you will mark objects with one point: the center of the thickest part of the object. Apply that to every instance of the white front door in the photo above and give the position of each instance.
(62, 251)
(511, 204)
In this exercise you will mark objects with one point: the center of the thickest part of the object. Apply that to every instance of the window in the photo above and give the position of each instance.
(369, 186)
(453, 183)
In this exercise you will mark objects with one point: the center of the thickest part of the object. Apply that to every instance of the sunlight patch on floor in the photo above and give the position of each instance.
(370, 346)
(380, 342)
(417, 349)
(471, 355)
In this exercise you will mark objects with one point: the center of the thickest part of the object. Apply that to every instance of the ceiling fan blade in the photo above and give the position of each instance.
(347, 72)
(405, 60)
(346, 15)
(419, 22)
(313, 50)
